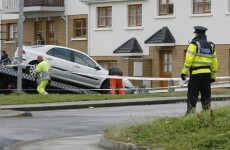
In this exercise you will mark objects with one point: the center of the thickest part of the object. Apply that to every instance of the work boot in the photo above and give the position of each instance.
(206, 104)
(190, 110)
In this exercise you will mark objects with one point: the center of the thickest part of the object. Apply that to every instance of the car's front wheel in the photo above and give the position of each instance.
(30, 69)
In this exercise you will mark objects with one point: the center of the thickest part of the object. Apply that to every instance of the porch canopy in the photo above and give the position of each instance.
(162, 37)
(131, 47)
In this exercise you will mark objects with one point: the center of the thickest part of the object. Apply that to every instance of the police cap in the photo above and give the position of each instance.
(200, 29)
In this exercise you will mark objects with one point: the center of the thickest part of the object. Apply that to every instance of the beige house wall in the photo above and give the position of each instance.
(29, 36)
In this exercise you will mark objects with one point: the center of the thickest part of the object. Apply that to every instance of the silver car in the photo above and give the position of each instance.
(68, 65)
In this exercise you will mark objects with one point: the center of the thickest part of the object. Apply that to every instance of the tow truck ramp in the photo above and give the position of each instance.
(9, 76)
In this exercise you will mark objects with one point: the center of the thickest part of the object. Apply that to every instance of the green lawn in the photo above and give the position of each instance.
(204, 131)
(52, 98)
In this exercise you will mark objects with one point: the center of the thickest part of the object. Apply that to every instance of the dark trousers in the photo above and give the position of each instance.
(199, 83)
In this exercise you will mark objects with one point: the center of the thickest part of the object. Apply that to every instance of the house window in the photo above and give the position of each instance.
(166, 7)
(12, 31)
(80, 27)
(135, 15)
(104, 17)
(201, 6)
(167, 64)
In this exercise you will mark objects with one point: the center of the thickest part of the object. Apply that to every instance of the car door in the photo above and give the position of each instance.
(60, 62)
(83, 69)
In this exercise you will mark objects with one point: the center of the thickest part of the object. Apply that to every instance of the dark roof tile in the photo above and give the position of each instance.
(161, 36)
(130, 46)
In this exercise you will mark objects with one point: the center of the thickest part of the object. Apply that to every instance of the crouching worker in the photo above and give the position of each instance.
(116, 83)
(42, 75)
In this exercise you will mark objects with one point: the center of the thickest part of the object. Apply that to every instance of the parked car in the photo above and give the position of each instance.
(68, 65)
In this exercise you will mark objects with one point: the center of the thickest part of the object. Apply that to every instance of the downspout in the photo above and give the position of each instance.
(88, 30)
(66, 23)
(66, 30)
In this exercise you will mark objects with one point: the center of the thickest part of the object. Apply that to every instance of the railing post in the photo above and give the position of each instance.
(170, 88)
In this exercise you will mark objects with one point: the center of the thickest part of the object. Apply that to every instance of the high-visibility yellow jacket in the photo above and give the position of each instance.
(194, 60)
(43, 71)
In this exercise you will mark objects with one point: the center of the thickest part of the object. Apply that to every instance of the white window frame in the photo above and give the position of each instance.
(191, 14)
(157, 16)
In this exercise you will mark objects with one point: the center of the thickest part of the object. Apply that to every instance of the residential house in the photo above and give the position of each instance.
(149, 38)
(59, 22)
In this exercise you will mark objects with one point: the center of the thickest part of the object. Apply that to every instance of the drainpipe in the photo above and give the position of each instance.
(67, 23)
(88, 38)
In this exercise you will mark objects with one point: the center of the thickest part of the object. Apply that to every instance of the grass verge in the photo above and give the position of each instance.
(15, 99)
(203, 131)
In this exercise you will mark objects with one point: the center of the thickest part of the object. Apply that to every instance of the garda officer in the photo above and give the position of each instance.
(42, 75)
(116, 83)
(201, 63)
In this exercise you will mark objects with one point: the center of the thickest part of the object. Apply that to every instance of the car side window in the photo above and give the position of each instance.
(83, 60)
(50, 52)
(60, 53)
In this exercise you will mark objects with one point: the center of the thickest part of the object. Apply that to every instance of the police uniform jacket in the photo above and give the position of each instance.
(200, 62)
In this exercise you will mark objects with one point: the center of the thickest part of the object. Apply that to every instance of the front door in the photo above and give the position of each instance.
(50, 33)
(38, 31)
(165, 66)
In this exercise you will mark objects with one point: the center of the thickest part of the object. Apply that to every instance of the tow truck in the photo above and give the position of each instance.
(8, 82)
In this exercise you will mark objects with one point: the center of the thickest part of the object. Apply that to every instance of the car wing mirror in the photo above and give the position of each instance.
(97, 68)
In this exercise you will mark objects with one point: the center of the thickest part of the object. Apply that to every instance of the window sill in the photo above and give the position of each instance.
(9, 42)
(134, 28)
(227, 13)
(78, 39)
(200, 15)
(103, 29)
(165, 16)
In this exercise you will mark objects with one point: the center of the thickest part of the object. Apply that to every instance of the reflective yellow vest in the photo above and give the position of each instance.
(206, 62)
(43, 71)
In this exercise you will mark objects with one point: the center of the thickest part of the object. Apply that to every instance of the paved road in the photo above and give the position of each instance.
(62, 123)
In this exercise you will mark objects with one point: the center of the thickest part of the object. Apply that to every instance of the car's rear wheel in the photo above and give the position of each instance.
(31, 68)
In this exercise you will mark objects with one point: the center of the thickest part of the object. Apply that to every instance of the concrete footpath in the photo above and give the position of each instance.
(80, 142)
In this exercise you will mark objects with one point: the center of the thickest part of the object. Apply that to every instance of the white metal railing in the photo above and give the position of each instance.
(6, 4)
